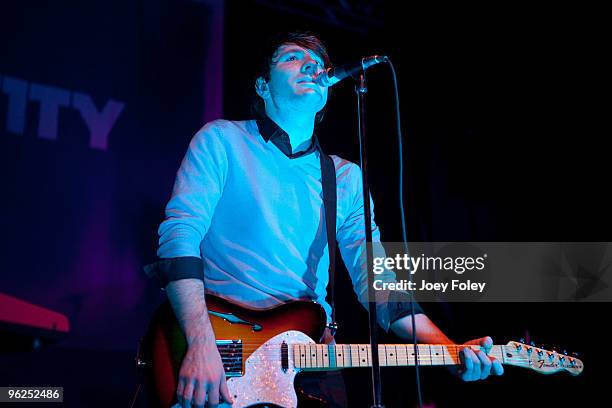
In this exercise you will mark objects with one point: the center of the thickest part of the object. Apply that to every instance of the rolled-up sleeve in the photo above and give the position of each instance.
(197, 190)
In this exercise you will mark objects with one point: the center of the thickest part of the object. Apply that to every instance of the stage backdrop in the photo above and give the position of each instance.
(97, 104)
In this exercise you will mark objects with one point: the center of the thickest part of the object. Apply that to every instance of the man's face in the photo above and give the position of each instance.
(291, 83)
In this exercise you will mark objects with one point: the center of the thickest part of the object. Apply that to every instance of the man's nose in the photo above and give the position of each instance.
(311, 66)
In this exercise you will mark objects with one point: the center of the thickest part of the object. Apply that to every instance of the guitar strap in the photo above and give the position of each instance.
(328, 181)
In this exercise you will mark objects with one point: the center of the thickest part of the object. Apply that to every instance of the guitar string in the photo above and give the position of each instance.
(398, 356)
(251, 347)
(458, 346)
(400, 360)
(388, 357)
(367, 363)
(439, 359)
(451, 350)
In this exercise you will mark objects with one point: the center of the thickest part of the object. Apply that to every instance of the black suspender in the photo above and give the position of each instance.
(328, 177)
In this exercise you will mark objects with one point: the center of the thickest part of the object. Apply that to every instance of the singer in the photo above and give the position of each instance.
(247, 223)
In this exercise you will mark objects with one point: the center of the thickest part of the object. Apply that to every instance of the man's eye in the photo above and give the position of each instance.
(291, 58)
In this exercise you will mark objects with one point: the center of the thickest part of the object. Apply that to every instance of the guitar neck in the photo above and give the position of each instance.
(327, 356)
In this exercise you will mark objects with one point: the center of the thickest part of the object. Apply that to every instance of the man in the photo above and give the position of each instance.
(245, 221)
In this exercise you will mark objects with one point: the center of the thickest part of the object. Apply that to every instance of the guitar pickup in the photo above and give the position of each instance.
(231, 356)
(284, 357)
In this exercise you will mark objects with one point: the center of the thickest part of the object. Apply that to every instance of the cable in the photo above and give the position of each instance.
(135, 397)
(404, 229)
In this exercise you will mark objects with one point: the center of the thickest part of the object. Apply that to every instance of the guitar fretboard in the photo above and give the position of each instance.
(328, 356)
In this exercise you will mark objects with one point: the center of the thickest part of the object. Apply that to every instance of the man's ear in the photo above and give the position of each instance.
(261, 87)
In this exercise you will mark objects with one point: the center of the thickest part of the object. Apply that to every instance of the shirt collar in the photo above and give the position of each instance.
(270, 131)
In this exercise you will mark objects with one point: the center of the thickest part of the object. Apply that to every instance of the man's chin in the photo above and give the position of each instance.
(311, 102)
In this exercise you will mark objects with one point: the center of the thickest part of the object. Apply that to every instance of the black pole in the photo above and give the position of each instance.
(361, 89)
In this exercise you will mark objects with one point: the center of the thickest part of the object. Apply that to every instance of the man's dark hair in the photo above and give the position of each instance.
(304, 39)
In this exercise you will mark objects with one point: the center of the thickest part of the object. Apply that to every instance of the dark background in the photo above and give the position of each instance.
(504, 136)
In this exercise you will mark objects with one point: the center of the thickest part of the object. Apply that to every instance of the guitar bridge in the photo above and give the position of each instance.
(231, 356)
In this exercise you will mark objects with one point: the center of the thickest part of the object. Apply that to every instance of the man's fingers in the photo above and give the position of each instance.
(485, 364)
(179, 391)
(187, 394)
(472, 368)
(486, 342)
(213, 396)
(199, 396)
(225, 394)
(479, 365)
(496, 366)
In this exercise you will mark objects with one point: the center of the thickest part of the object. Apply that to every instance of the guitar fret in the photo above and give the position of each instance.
(302, 356)
(354, 355)
(305, 353)
(391, 355)
(382, 349)
(409, 355)
(364, 356)
(312, 353)
(322, 349)
(309, 361)
(449, 356)
(437, 354)
(296, 353)
(332, 351)
(340, 356)
(348, 355)
(404, 351)
(400, 353)
(424, 354)
(420, 352)
(395, 348)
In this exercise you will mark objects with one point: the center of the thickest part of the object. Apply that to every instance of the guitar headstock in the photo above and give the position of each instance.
(539, 359)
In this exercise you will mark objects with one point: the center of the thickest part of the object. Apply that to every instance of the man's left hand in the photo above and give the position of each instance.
(478, 365)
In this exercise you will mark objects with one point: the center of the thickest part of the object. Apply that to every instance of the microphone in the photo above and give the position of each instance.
(332, 76)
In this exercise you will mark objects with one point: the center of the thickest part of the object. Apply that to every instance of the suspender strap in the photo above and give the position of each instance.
(328, 177)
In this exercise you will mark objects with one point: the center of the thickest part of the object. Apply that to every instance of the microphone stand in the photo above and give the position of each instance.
(361, 89)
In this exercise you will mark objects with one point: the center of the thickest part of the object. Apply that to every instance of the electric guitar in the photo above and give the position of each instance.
(262, 351)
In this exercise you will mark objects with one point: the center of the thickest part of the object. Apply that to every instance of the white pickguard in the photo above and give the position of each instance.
(264, 381)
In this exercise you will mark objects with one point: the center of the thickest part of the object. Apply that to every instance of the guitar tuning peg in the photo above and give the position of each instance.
(532, 343)
(522, 340)
(565, 352)
(575, 354)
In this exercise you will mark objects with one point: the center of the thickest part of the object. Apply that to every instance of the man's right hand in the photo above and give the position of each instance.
(201, 379)
(202, 375)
